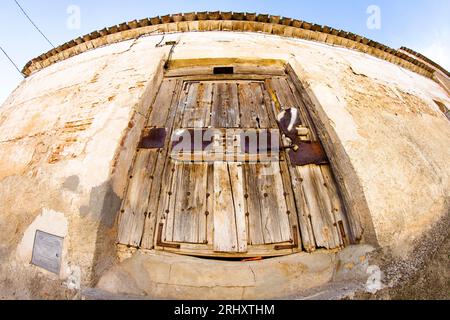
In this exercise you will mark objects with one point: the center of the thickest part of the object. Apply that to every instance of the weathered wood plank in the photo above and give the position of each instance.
(253, 251)
(283, 211)
(252, 106)
(252, 196)
(237, 187)
(134, 209)
(152, 201)
(291, 205)
(227, 77)
(272, 103)
(322, 224)
(259, 69)
(337, 205)
(185, 226)
(273, 206)
(233, 113)
(285, 99)
(260, 106)
(189, 114)
(190, 204)
(327, 208)
(167, 201)
(219, 115)
(210, 205)
(225, 236)
(248, 118)
(199, 200)
(270, 223)
(303, 211)
(305, 117)
(161, 107)
(225, 107)
(197, 113)
(204, 106)
(288, 99)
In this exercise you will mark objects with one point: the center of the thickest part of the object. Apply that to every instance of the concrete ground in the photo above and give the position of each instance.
(163, 275)
(431, 281)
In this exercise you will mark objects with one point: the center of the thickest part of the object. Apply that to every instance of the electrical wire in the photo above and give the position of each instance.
(37, 28)
(12, 62)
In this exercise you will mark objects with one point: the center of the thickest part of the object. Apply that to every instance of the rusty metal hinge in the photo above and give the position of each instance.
(308, 153)
(154, 138)
(295, 245)
(162, 244)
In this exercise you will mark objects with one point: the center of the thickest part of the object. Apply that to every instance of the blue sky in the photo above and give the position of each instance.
(423, 25)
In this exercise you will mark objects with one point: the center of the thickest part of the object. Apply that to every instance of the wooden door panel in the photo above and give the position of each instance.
(160, 202)
(337, 206)
(252, 106)
(162, 170)
(133, 213)
(288, 98)
(255, 226)
(161, 107)
(320, 210)
(167, 200)
(225, 107)
(267, 210)
(229, 233)
(189, 224)
(197, 113)
(134, 209)
(325, 231)
(303, 212)
(237, 189)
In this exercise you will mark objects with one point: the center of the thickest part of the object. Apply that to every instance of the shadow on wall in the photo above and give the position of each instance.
(104, 206)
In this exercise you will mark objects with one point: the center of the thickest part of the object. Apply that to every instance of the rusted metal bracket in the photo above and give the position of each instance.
(307, 153)
(160, 243)
(295, 245)
(303, 152)
(153, 139)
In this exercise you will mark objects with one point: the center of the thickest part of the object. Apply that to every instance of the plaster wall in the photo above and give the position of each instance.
(69, 132)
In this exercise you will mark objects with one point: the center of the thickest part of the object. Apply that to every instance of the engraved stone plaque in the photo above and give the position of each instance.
(47, 251)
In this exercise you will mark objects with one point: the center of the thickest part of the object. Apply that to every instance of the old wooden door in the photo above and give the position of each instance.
(217, 197)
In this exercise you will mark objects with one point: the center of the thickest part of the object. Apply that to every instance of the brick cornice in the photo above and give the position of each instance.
(226, 21)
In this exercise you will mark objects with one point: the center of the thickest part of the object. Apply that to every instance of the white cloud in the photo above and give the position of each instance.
(439, 48)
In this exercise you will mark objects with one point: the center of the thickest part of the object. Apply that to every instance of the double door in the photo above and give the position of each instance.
(214, 178)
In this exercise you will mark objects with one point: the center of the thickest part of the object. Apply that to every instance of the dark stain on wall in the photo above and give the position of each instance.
(72, 183)
(104, 204)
